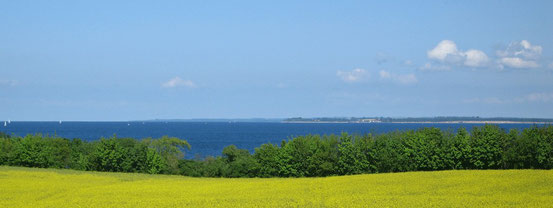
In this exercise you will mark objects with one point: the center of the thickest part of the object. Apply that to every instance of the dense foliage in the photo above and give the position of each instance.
(425, 149)
(111, 154)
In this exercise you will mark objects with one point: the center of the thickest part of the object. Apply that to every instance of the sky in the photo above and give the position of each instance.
(132, 60)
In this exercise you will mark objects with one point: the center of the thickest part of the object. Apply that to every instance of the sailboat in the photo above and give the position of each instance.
(5, 124)
(60, 121)
(9, 121)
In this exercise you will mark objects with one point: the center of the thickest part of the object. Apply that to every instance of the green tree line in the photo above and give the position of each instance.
(107, 154)
(425, 149)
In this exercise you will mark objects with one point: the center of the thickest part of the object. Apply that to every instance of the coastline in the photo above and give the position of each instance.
(431, 122)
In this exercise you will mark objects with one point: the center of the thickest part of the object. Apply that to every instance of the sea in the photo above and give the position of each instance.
(209, 138)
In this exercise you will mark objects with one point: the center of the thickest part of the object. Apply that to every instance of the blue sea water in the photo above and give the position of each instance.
(211, 137)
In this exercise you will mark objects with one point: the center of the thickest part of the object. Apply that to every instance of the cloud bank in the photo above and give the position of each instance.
(446, 53)
(519, 55)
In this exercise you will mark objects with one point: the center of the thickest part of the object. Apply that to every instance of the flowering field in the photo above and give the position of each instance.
(29, 187)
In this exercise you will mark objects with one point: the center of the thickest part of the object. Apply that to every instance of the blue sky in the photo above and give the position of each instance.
(105, 60)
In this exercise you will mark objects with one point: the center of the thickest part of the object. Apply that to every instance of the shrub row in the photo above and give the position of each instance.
(425, 149)
(107, 154)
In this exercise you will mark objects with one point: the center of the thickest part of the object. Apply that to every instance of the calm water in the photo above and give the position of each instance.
(210, 138)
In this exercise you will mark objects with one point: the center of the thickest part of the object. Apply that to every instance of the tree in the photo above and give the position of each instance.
(485, 147)
(544, 150)
(61, 152)
(389, 153)
(424, 148)
(194, 168)
(239, 162)
(267, 156)
(214, 167)
(324, 159)
(80, 153)
(366, 145)
(154, 162)
(109, 155)
(7, 146)
(351, 160)
(33, 151)
(171, 149)
(460, 151)
(295, 157)
(508, 149)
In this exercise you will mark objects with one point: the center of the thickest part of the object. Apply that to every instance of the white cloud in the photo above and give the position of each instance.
(516, 62)
(355, 75)
(399, 78)
(444, 49)
(446, 52)
(358, 75)
(178, 82)
(523, 49)
(520, 55)
(433, 67)
(475, 58)
(8, 83)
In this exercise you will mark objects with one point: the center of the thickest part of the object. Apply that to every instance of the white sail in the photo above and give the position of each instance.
(5, 124)
(9, 121)
(60, 121)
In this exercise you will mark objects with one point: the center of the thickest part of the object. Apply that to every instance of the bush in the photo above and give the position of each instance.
(485, 147)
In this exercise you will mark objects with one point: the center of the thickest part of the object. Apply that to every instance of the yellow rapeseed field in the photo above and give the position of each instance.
(29, 187)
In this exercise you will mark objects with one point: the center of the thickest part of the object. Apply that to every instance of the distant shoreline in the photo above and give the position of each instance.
(430, 122)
